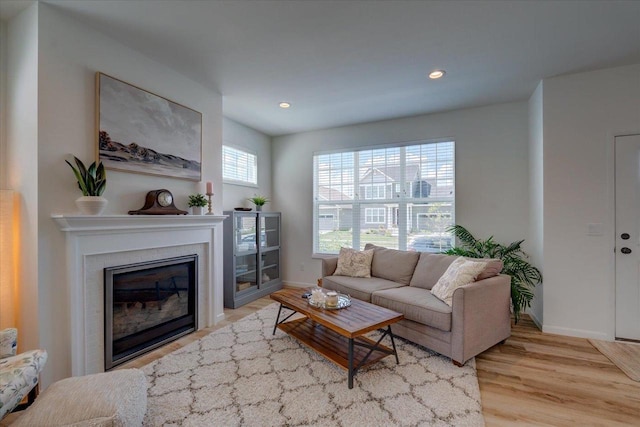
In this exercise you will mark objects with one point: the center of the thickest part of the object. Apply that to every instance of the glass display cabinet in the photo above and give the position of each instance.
(251, 256)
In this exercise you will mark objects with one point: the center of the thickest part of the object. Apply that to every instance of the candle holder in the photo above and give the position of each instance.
(210, 212)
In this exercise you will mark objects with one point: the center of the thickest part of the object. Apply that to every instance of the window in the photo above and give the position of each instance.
(239, 167)
(374, 215)
(373, 191)
(395, 196)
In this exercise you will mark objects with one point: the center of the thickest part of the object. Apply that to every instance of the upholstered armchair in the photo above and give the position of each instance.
(18, 373)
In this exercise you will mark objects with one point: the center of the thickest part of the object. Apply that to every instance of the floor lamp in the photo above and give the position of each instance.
(8, 242)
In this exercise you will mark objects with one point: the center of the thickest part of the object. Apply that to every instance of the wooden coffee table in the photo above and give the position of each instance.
(338, 335)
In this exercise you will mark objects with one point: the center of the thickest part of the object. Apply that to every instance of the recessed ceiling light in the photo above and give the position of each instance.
(284, 105)
(436, 74)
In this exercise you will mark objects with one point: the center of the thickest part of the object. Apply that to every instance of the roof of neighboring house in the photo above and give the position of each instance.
(328, 193)
(390, 174)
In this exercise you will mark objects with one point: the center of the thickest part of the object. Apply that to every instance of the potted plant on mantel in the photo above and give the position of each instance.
(92, 182)
(259, 201)
(197, 202)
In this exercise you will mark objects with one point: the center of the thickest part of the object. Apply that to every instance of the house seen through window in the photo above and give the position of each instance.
(400, 197)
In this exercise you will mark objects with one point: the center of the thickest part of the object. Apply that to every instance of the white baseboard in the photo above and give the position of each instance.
(219, 318)
(535, 320)
(578, 333)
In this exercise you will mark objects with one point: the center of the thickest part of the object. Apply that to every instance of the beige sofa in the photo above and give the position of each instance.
(401, 281)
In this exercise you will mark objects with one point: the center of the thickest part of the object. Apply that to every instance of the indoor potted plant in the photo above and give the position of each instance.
(92, 182)
(197, 202)
(524, 276)
(259, 201)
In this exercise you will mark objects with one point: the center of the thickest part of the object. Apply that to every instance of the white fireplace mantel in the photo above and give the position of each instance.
(111, 223)
(112, 235)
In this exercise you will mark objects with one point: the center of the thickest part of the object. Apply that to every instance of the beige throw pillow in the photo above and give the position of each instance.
(461, 272)
(354, 263)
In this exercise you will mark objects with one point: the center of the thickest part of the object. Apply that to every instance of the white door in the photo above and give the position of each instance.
(627, 150)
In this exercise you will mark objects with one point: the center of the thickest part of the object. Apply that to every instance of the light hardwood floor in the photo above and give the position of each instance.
(533, 379)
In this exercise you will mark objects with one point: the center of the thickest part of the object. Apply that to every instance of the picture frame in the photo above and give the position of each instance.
(141, 132)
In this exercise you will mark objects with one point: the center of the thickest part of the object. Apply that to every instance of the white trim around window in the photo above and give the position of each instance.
(386, 195)
(239, 166)
(374, 215)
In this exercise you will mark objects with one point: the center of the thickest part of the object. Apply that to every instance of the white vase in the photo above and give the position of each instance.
(91, 205)
(197, 210)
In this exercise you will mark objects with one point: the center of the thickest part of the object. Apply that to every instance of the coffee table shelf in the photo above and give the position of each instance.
(330, 344)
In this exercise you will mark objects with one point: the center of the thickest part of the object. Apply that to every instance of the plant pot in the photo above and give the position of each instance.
(258, 208)
(91, 205)
(197, 210)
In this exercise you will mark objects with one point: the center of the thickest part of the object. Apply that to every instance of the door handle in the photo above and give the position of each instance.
(625, 251)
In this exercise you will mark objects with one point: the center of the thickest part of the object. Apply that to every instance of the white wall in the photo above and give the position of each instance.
(491, 174)
(582, 114)
(536, 197)
(3, 101)
(21, 164)
(68, 56)
(240, 136)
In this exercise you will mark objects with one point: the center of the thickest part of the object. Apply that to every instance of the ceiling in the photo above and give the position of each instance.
(345, 62)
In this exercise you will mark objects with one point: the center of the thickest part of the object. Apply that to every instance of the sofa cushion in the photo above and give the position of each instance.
(393, 264)
(416, 304)
(461, 272)
(357, 287)
(111, 399)
(354, 263)
(429, 269)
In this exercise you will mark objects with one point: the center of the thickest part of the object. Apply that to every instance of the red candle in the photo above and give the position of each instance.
(209, 187)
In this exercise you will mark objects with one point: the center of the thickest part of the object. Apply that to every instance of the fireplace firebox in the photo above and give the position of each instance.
(148, 305)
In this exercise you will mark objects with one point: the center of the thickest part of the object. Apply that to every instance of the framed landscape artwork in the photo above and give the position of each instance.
(141, 132)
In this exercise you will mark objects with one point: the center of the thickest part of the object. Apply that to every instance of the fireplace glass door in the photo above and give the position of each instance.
(147, 305)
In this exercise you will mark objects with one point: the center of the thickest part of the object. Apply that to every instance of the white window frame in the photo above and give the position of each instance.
(369, 215)
(374, 191)
(400, 196)
(250, 154)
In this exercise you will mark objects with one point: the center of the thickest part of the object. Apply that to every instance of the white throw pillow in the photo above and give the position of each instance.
(461, 272)
(354, 263)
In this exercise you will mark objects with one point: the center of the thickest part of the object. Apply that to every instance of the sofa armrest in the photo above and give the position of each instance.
(329, 266)
(481, 316)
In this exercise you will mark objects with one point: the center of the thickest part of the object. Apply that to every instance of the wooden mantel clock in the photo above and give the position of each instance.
(159, 202)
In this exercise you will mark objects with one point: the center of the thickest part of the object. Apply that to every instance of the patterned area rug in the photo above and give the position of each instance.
(242, 375)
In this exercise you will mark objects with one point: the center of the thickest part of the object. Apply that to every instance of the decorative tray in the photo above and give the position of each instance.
(242, 209)
(343, 302)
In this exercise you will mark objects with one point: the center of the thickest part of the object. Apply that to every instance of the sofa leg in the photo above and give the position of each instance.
(503, 341)
(458, 364)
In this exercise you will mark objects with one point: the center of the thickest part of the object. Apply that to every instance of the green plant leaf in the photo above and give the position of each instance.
(79, 178)
(524, 276)
(92, 181)
(258, 200)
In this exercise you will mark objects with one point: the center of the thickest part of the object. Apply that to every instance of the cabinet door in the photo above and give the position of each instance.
(246, 272)
(245, 233)
(270, 266)
(269, 231)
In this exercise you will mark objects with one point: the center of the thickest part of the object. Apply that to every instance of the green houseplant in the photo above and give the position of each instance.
(524, 276)
(197, 202)
(259, 201)
(92, 181)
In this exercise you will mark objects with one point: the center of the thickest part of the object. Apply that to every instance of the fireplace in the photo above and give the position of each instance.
(147, 305)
